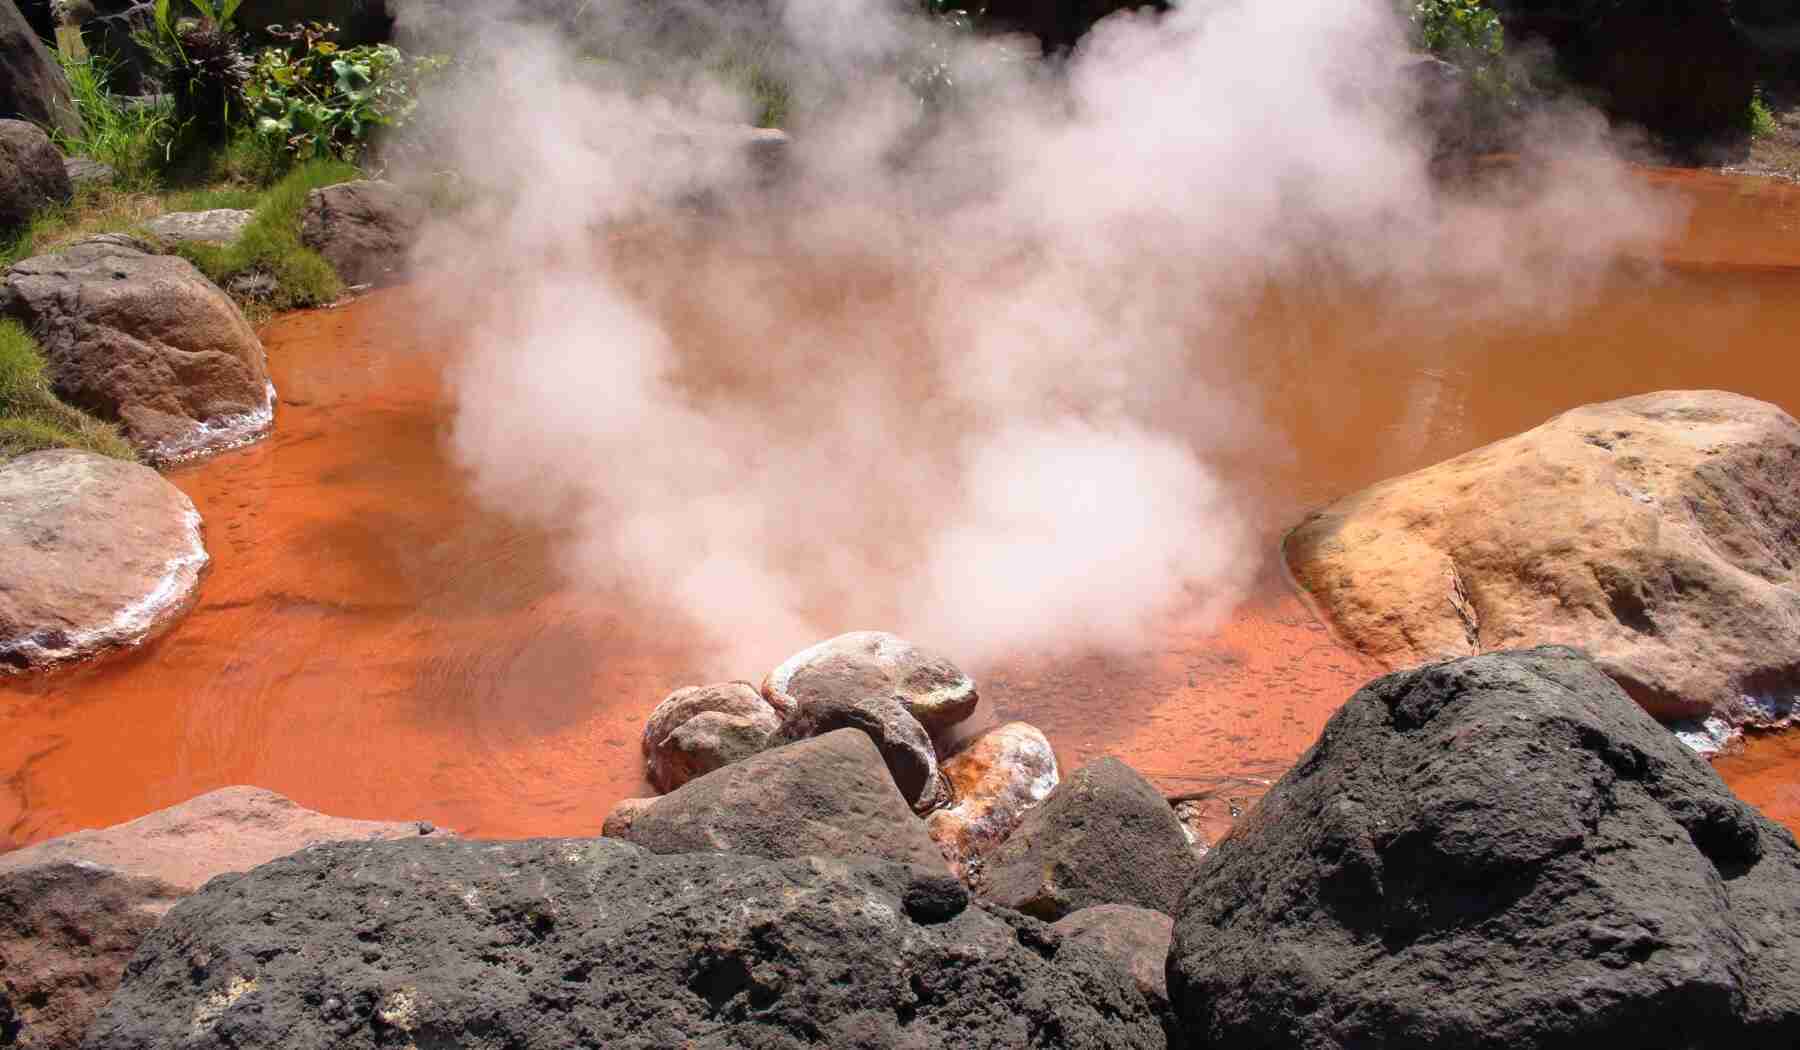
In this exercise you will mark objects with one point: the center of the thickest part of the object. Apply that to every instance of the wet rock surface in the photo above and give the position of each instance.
(701, 728)
(1658, 533)
(146, 340)
(1104, 836)
(364, 229)
(32, 175)
(74, 910)
(218, 226)
(994, 779)
(830, 795)
(1499, 851)
(566, 942)
(98, 553)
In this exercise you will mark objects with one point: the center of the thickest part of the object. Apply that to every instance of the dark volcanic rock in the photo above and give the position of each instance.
(147, 340)
(74, 910)
(98, 553)
(1104, 836)
(32, 175)
(364, 229)
(830, 795)
(32, 85)
(1501, 851)
(1137, 938)
(569, 942)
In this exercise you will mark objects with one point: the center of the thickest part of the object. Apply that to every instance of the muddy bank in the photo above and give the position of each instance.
(371, 642)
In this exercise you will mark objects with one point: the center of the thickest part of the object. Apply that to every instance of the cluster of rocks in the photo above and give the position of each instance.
(1497, 851)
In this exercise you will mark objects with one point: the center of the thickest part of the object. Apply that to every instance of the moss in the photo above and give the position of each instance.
(32, 417)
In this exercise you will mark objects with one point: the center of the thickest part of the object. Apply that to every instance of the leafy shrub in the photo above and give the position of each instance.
(1462, 32)
(32, 417)
(269, 250)
(202, 64)
(1760, 120)
(319, 100)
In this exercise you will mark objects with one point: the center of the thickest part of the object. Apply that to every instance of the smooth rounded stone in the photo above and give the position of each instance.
(365, 230)
(874, 663)
(830, 795)
(98, 554)
(146, 340)
(701, 728)
(1137, 938)
(994, 780)
(32, 176)
(901, 740)
(218, 226)
(1104, 836)
(32, 85)
(1660, 534)
(555, 943)
(1497, 852)
(84, 171)
(74, 910)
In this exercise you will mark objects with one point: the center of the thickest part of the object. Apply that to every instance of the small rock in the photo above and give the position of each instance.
(74, 910)
(32, 176)
(701, 728)
(363, 229)
(147, 340)
(98, 554)
(84, 171)
(911, 761)
(1136, 938)
(219, 226)
(994, 779)
(623, 814)
(1104, 836)
(874, 663)
(830, 795)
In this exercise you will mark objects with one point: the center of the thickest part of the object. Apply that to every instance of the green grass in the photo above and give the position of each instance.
(32, 417)
(95, 209)
(129, 138)
(1761, 119)
(270, 246)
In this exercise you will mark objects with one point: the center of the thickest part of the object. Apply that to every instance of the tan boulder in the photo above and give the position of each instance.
(98, 554)
(1658, 533)
(874, 663)
(701, 728)
(73, 910)
(994, 779)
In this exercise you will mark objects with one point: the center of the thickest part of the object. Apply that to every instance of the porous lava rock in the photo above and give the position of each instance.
(363, 229)
(73, 910)
(703, 727)
(1136, 938)
(829, 795)
(32, 176)
(1104, 836)
(874, 663)
(556, 943)
(146, 340)
(98, 553)
(995, 778)
(216, 226)
(1659, 533)
(32, 85)
(1500, 851)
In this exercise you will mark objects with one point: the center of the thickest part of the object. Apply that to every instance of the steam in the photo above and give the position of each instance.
(965, 371)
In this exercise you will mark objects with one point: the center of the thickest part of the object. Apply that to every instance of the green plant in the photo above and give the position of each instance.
(269, 248)
(1760, 120)
(126, 136)
(32, 417)
(201, 63)
(1458, 31)
(317, 99)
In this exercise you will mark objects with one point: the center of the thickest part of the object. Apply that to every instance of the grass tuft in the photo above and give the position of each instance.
(32, 417)
(270, 246)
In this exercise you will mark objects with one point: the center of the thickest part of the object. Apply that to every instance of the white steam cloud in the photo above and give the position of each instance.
(962, 372)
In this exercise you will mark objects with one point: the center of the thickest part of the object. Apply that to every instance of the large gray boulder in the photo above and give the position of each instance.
(98, 554)
(1497, 852)
(830, 795)
(1104, 836)
(558, 943)
(32, 85)
(363, 229)
(146, 340)
(215, 226)
(73, 910)
(32, 175)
